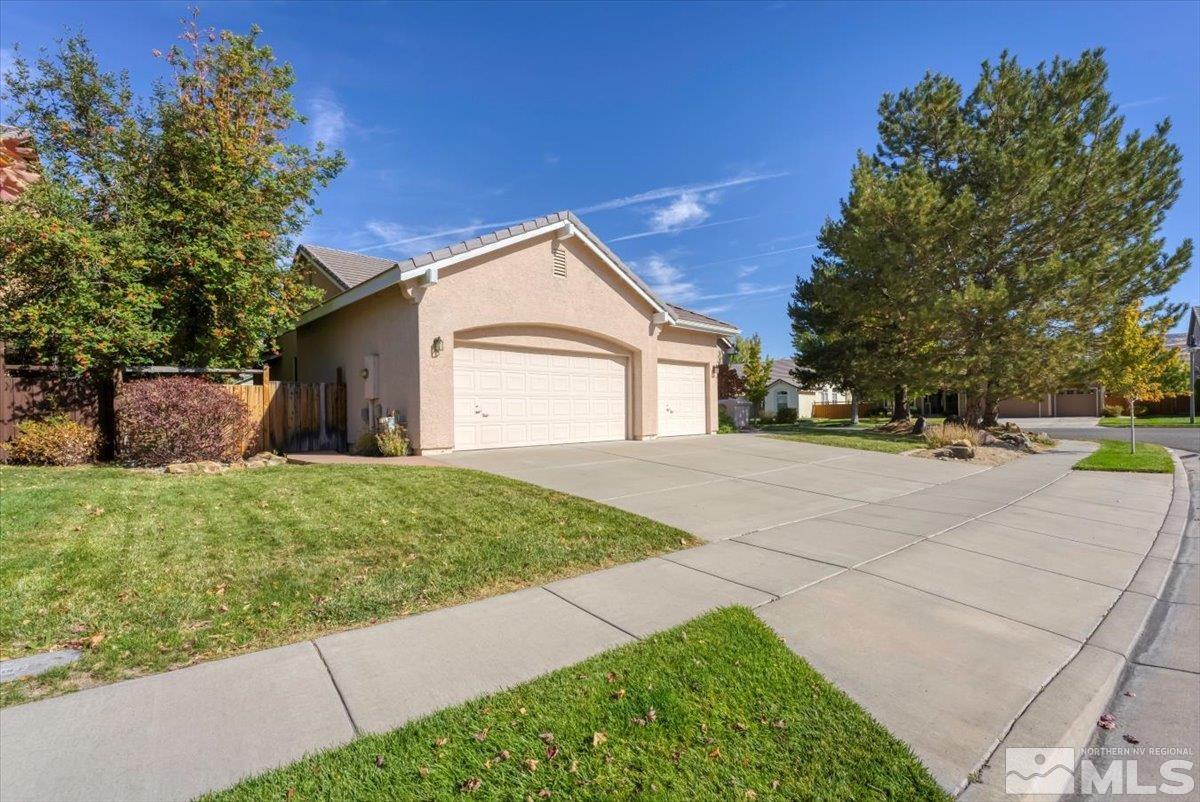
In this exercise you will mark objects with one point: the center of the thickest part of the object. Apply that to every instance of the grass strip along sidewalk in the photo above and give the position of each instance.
(147, 572)
(1113, 455)
(716, 709)
(1153, 422)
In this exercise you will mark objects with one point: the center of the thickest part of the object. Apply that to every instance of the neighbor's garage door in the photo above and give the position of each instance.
(507, 397)
(681, 403)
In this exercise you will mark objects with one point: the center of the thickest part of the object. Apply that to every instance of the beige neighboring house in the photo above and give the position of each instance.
(784, 391)
(530, 335)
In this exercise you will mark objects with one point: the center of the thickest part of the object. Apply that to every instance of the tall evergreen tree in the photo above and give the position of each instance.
(1062, 209)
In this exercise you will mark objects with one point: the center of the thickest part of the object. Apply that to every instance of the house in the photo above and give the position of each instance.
(784, 391)
(533, 334)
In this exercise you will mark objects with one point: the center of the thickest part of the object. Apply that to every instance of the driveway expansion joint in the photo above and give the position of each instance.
(341, 697)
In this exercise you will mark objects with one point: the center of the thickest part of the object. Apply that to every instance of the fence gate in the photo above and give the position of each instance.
(295, 416)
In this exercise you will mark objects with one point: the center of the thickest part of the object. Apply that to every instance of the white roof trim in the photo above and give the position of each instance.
(394, 275)
(712, 328)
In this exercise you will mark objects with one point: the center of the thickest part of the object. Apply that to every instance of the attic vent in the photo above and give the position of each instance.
(560, 262)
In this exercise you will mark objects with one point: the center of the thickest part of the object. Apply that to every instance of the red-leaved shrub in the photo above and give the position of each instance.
(179, 419)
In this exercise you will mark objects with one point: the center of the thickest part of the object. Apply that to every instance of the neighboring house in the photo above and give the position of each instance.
(533, 334)
(784, 391)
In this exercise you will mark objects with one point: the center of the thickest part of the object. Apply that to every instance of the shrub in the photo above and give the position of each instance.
(946, 433)
(179, 419)
(391, 444)
(724, 421)
(1112, 411)
(366, 445)
(786, 415)
(57, 440)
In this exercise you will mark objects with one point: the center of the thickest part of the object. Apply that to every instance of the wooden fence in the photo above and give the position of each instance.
(838, 410)
(294, 416)
(1171, 405)
(286, 416)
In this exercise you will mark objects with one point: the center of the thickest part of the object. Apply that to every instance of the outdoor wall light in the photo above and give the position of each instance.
(364, 373)
(436, 348)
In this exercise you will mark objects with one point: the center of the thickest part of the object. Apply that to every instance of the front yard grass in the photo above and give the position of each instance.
(1113, 455)
(716, 709)
(1157, 422)
(849, 437)
(147, 572)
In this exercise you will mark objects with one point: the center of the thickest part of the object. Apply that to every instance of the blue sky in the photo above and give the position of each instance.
(705, 143)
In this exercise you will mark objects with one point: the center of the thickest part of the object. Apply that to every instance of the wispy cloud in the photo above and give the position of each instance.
(551, 158)
(686, 210)
(758, 255)
(396, 234)
(641, 234)
(1150, 101)
(746, 270)
(666, 279)
(328, 119)
(662, 193)
(715, 310)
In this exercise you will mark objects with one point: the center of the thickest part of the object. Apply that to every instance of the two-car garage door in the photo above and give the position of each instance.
(509, 397)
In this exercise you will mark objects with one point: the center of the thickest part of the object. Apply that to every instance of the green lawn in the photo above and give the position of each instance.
(1113, 455)
(1161, 422)
(150, 572)
(848, 437)
(716, 709)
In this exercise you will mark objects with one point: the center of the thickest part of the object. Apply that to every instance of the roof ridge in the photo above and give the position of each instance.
(348, 253)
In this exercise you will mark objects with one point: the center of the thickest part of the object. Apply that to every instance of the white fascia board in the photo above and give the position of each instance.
(708, 327)
(394, 275)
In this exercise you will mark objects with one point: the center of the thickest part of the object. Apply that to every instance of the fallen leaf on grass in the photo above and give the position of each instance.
(96, 640)
(423, 771)
(441, 742)
(619, 694)
(544, 793)
(598, 738)
(380, 761)
(482, 734)
(551, 752)
(715, 753)
(503, 755)
(547, 737)
(531, 764)
(291, 793)
(471, 784)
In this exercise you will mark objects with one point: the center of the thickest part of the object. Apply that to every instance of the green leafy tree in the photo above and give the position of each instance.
(756, 369)
(1136, 363)
(176, 213)
(1056, 211)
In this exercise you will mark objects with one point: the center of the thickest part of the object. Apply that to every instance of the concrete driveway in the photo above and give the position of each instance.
(942, 597)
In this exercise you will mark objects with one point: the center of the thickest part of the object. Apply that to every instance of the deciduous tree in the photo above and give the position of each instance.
(756, 369)
(1136, 363)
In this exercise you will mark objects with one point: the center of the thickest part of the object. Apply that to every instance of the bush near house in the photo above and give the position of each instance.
(786, 415)
(57, 440)
(179, 419)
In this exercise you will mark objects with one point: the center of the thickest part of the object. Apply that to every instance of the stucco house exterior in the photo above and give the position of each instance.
(533, 334)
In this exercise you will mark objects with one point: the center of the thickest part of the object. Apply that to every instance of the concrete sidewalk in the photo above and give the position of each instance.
(942, 597)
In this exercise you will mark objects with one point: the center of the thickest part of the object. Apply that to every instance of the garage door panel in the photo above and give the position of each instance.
(510, 397)
(681, 399)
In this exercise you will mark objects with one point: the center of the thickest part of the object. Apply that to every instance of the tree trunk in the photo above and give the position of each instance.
(972, 411)
(900, 403)
(1132, 427)
(854, 407)
(991, 412)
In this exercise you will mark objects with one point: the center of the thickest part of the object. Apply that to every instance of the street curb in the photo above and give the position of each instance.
(1064, 713)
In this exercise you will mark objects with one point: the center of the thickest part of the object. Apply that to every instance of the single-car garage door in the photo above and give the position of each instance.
(680, 399)
(509, 397)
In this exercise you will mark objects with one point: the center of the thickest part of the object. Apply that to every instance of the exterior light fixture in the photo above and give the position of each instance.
(437, 347)
(364, 373)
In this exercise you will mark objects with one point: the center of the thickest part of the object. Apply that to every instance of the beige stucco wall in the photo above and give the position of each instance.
(509, 298)
(513, 298)
(383, 324)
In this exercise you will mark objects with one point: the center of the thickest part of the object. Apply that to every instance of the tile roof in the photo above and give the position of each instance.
(352, 269)
(780, 369)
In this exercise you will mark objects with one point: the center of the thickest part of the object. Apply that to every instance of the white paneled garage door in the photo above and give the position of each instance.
(680, 399)
(508, 397)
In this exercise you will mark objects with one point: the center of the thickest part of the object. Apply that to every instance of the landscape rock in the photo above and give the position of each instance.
(181, 467)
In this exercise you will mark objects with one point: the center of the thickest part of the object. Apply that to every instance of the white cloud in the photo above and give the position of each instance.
(551, 158)
(746, 270)
(686, 210)
(666, 279)
(654, 233)
(714, 310)
(662, 193)
(328, 119)
(1150, 101)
